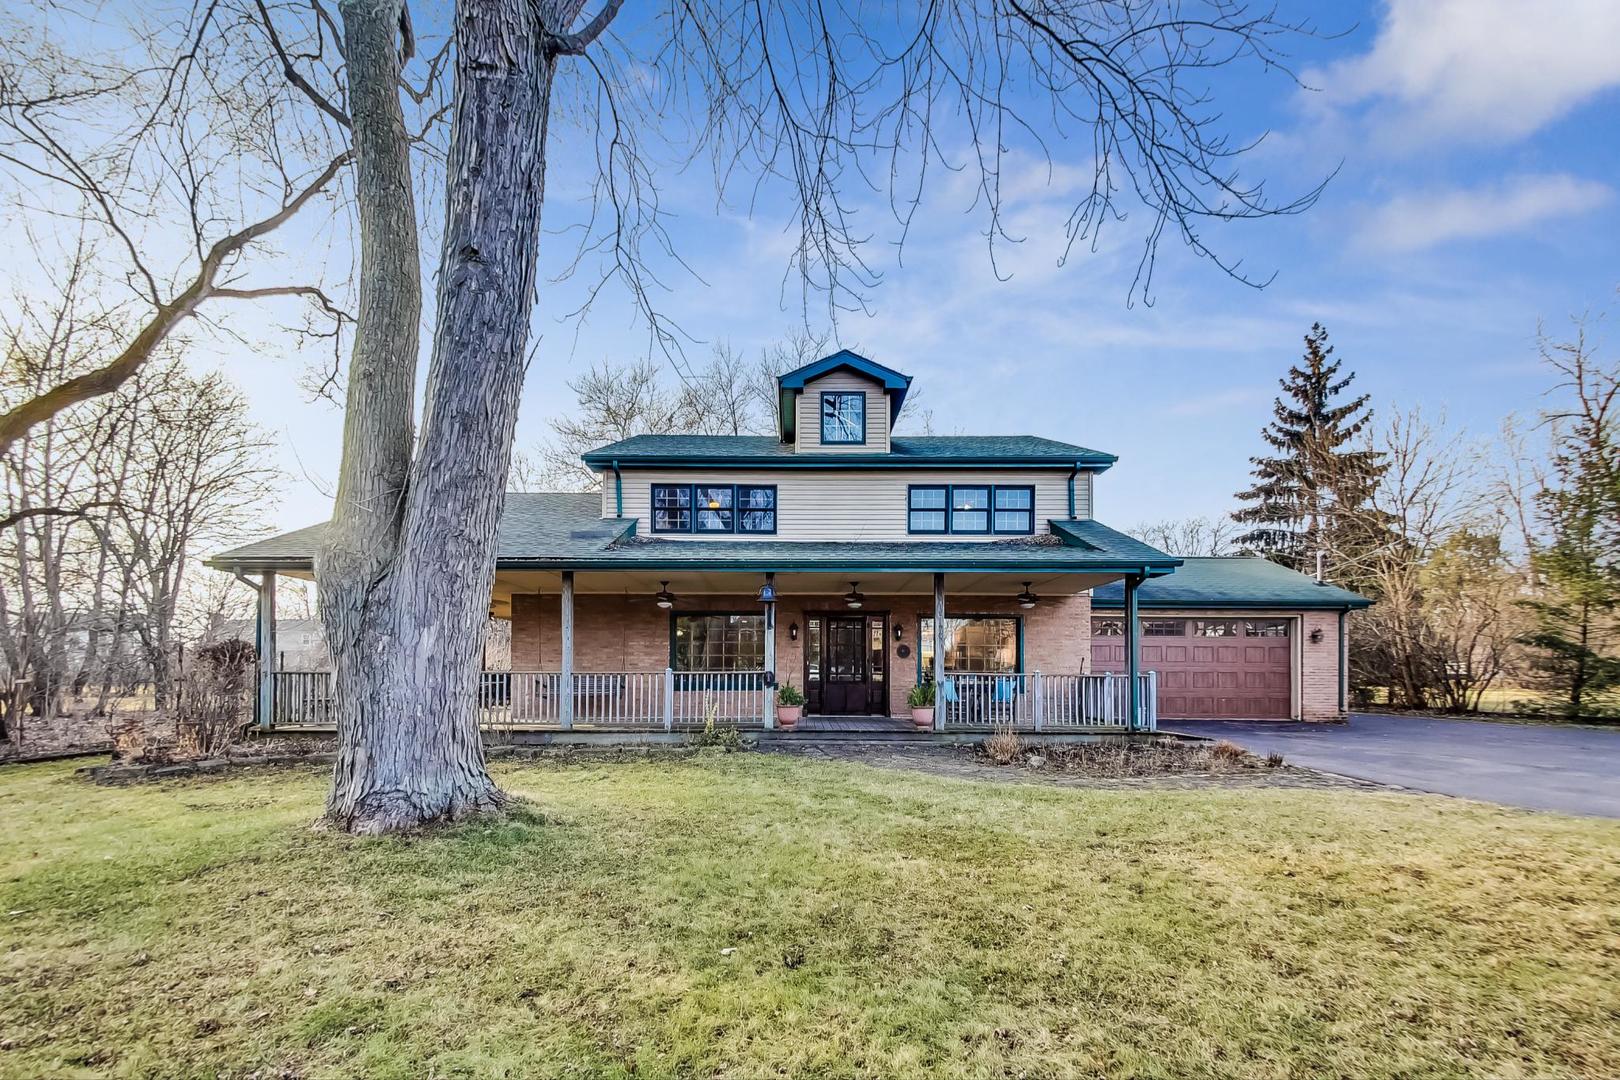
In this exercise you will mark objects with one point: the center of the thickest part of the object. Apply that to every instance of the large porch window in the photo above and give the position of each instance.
(718, 642)
(974, 643)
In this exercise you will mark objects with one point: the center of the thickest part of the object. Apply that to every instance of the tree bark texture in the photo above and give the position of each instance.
(411, 562)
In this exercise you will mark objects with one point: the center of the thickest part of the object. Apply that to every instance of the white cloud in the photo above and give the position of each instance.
(1415, 222)
(1481, 69)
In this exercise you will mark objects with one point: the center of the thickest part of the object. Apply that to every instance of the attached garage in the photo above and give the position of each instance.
(1233, 639)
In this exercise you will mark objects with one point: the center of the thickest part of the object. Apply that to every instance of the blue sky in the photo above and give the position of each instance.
(1476, 196)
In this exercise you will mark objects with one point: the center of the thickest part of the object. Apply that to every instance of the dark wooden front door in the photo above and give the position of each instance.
(845, 664)
(845, 659)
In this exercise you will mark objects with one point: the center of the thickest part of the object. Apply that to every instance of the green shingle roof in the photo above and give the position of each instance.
(565, 523)
(1238, 582)
(565, 531)
(905, 450)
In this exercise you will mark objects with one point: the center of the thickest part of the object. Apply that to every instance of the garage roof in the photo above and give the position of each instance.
(1231, 582)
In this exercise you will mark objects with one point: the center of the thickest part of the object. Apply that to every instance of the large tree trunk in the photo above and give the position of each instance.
(408, 596)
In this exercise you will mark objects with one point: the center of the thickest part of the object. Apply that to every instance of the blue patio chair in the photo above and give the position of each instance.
(1005, 690)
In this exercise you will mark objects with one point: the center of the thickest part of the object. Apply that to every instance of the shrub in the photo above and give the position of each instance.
(212, 702)
(1228, 753)
(726, 738)
(921, 696)
(1003, 746)
(1274, 760)
(789, 695)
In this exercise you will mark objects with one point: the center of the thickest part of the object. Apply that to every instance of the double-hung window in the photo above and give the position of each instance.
(1015, 510)
(925, 509)
(713, 508)
(671, 508)
(843, 417)
(970, 509)
(716, 508)
(756, 508)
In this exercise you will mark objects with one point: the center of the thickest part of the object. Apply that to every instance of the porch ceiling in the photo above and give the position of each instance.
(788, 586)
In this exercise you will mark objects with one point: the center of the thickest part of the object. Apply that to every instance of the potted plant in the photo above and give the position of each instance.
(789, 706)
(921, 700)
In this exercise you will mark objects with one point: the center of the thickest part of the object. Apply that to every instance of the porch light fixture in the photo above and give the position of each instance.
(1026, 599)
(665, 598)
(899, 632)
(854, 598)
(793, 631)
(1316, 636)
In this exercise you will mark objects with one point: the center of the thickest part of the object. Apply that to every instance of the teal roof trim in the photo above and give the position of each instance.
(919, 451)
(1240, 583)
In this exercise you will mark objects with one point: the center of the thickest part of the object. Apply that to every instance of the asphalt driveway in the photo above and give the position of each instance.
(1574, 770)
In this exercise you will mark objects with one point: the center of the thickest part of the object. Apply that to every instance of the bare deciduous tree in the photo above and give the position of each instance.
(1193, 536)
(178, 155)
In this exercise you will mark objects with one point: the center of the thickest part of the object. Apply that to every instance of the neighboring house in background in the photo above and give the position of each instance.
(837, 556)
(300, 643)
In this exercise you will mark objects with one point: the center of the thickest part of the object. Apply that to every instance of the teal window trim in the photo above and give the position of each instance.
(726, 512)
(653, 508)
(950, 510)
(735, 510)
(943, 509)
(1028, 528)
(743, 509)
(989, 498)
(840, 395)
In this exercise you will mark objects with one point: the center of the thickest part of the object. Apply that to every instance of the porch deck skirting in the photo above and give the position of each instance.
(688, 701)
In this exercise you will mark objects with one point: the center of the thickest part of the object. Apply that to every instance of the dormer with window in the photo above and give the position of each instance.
(841, 404)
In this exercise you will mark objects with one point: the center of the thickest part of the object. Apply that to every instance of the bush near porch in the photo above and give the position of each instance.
(747, 914)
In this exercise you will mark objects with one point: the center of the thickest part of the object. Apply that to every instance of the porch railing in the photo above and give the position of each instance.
(1037, 702)
(608, 700)
(683, 700)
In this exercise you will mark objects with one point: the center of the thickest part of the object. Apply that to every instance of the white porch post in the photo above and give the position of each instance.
(565, 713)
(1133, 654)
(939, 652)
(770, 652)
(265, 639)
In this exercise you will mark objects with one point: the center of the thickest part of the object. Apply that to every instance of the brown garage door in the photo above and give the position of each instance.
(1208, 668)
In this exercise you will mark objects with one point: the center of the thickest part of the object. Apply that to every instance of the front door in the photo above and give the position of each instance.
(844, 664)
(845, 689)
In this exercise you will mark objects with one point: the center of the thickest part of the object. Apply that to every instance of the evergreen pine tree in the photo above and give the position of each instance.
(1312, 495)
(1577, 610)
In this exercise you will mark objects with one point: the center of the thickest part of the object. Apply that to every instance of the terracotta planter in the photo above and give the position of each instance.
(923, 718)
(788, 715)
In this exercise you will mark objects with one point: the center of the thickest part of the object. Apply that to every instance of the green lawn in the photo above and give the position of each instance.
(746, 915)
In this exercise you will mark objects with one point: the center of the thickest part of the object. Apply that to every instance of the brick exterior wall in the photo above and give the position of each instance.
(631, 633)
(1319, 677)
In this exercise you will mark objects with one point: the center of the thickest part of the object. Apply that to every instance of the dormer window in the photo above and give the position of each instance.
(843, 418)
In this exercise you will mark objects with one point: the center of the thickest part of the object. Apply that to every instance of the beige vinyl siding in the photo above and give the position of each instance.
(815, 504)
(808, 421)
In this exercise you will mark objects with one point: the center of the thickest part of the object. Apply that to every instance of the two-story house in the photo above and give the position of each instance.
(853, 563)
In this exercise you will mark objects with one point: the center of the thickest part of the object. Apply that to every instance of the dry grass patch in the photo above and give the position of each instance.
(748, 915)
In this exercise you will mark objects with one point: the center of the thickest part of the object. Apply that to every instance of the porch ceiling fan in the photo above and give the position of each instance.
(854, 598)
